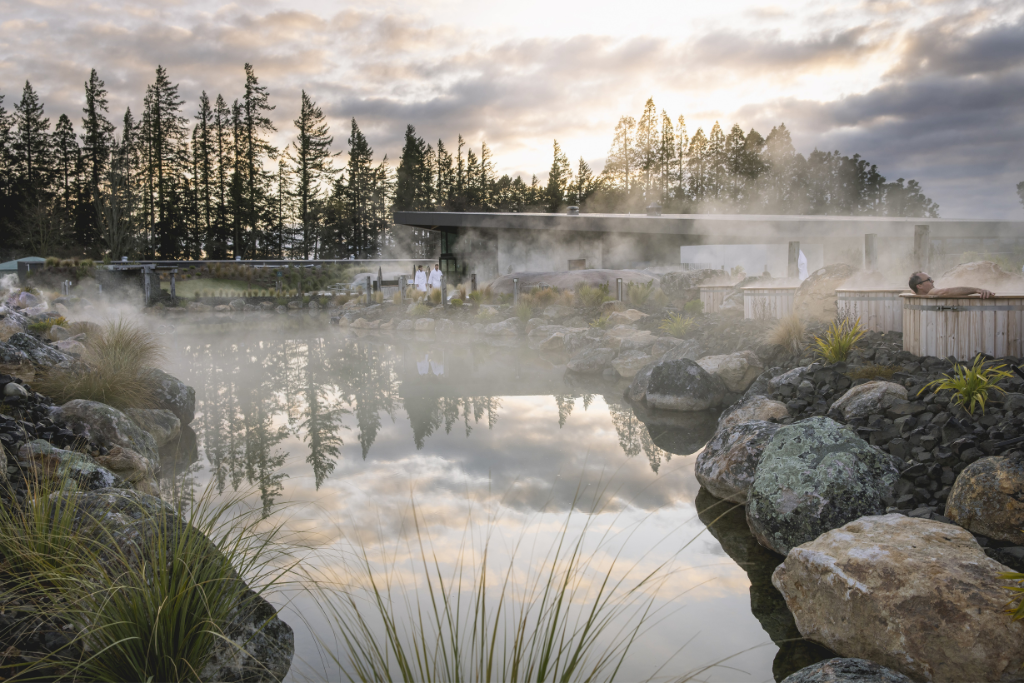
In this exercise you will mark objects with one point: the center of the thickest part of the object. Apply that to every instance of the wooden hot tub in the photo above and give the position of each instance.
(764, 303)
(713, 295)
(962, 328)
(879, 310)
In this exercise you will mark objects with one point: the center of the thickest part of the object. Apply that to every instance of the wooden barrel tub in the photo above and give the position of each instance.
(713, 295)
(879, 310)
(962, 328)
(765, 303)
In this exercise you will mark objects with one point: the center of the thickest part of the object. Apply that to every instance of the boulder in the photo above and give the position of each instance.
(15, 390)
(132, 468)
(163, 425)
(28, 300)
(870, 398)
(555, 342)
(590, 361)
(689, 349)
(628, 363)
(627, 317)
(506, 328)
(12, 356)
(39, 352)
(534, 323)
(985, 274)
(637, 341)
(737, 370)
(258, 646)
(751, 409)
(839, 670)
(222, 308)
(421, 325)
(107, 426)
(663, 345)
(71, 347)
(915, 595)
(557, 312)
(267, 306)
(444, 326)
(9, 326)
(684, 385)
(295, 305)
(402, 326)
(988, 499)
(816, 475)
(54, 463)
(727, 464)
(237, 304)
(59, 333)
(174, 395)
(197, 307)
(816, 298)
(610, 307)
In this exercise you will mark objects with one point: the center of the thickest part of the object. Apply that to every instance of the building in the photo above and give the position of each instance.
(493, 244)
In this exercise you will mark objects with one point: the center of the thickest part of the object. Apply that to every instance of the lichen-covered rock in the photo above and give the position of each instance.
(39, 352)
(12, 356)
(727, 464)
(737, 370)
(816, 298)
(870, 398)
(554, 342)
(58, 333)
(839, 670)
(914, 595)
(71, 347)
(106, 426)
(816, 475)
(988, 499)
(750, 409)
(590, 361)
(132, 468)
(629, 363)
(506, 328)
(684, 385)
(49, 462)
(175, 396)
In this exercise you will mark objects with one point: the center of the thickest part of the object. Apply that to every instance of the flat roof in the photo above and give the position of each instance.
(723, 227)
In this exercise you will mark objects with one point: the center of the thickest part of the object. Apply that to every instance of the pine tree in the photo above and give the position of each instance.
(699, 168)
(33, 152)
(256, 126)
(735, 151)
(472, 178)
(97, 131)
(67, 164)
(310, 153)
(460, 177)
(413, 190)
(7, 165)
(164, 134)
(682, 162)
(445, 194)
(486, 182)
(717, 163)
(779, 158)
(359, 193)
(217, 243)
(583, 186)
(203, 148)
(282, 237)
(559, 179)
(665, 171)
(620, 166)
(647, 142)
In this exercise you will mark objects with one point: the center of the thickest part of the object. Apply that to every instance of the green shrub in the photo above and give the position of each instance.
(838, 340)
(587, 296)
(119, 358)
(676, 325)
(476, 297)
(694, 307)
(600, 322)
(970, 386)
(52, 262)
(42, 327)
(456, 302)
(637, 293)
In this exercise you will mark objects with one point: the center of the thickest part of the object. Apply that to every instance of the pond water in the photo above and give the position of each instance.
(348, 433)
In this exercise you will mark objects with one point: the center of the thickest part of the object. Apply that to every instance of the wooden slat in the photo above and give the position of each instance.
(964, 327)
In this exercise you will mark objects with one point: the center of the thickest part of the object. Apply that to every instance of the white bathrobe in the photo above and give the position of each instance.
(421, 281)
(435, 278)
(801, 265)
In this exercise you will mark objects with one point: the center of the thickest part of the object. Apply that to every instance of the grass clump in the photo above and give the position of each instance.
(589, 296)
(835, 345)
(42, 327)
(874, 371)
(971, 386)
(456, 302)
(119, 358)
(564, 617)
(637, 293)
(435, 295)
(676, 325)
(523, 310)
(152, 608)
(476, 297)
(600, 322)
(788, 332)
(419, 310)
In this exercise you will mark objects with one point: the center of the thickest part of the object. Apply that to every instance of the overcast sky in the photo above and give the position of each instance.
(926, 89)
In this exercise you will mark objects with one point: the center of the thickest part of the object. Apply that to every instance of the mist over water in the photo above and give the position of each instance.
(348, 433)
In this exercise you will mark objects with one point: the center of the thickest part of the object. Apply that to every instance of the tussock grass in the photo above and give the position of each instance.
(153, 609)
(524, 311)
(788, 332)
(587, 296)
(564, 618)
(435, 295)
(637, 293)
(676, 325)
(840, 337)
(119, 358)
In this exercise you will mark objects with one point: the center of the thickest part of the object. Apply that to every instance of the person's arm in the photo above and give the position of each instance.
(960, 292)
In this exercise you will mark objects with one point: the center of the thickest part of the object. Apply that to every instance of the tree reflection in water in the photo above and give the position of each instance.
(252, 394)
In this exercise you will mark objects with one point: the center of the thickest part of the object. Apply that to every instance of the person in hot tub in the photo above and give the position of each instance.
(922, 284)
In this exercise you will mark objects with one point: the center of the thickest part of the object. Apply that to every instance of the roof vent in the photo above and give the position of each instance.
(573, 211)
(654, 209)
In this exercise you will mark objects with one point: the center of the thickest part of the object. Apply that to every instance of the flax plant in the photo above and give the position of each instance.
(840, 337)
(970, 386)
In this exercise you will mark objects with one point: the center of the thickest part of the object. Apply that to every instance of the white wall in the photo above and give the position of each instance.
(753, 257)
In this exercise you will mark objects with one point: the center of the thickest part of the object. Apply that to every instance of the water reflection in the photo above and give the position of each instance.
(253, 393)
(727, 523)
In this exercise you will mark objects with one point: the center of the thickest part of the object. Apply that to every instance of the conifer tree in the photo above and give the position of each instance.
(203, 163)
(445, 194)
(666, 157)
(413, 189)
(217, 244)
(647, 141)
(699, 168)
(67, 164)
(717, 160)
(33, 152)
(7, 165)
(682, 157)
(486, 182)
(620, 166)
(559, 179)
(359, 191)
(97, 131)
(256, 126)
(164, 135)
(310, 153)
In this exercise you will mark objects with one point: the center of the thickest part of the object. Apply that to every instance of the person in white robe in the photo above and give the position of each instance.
(421, 279)
(801, 264)
(435, 277)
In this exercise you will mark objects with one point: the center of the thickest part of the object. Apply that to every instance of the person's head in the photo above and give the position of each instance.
(419, 267)
(437, 267)
(921, 283)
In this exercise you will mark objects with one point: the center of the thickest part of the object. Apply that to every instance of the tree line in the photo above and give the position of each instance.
(166, 185)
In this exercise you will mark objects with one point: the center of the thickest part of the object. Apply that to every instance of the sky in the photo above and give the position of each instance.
(930, 89)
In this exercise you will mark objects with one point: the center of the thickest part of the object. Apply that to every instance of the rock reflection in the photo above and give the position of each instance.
(727, 523)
